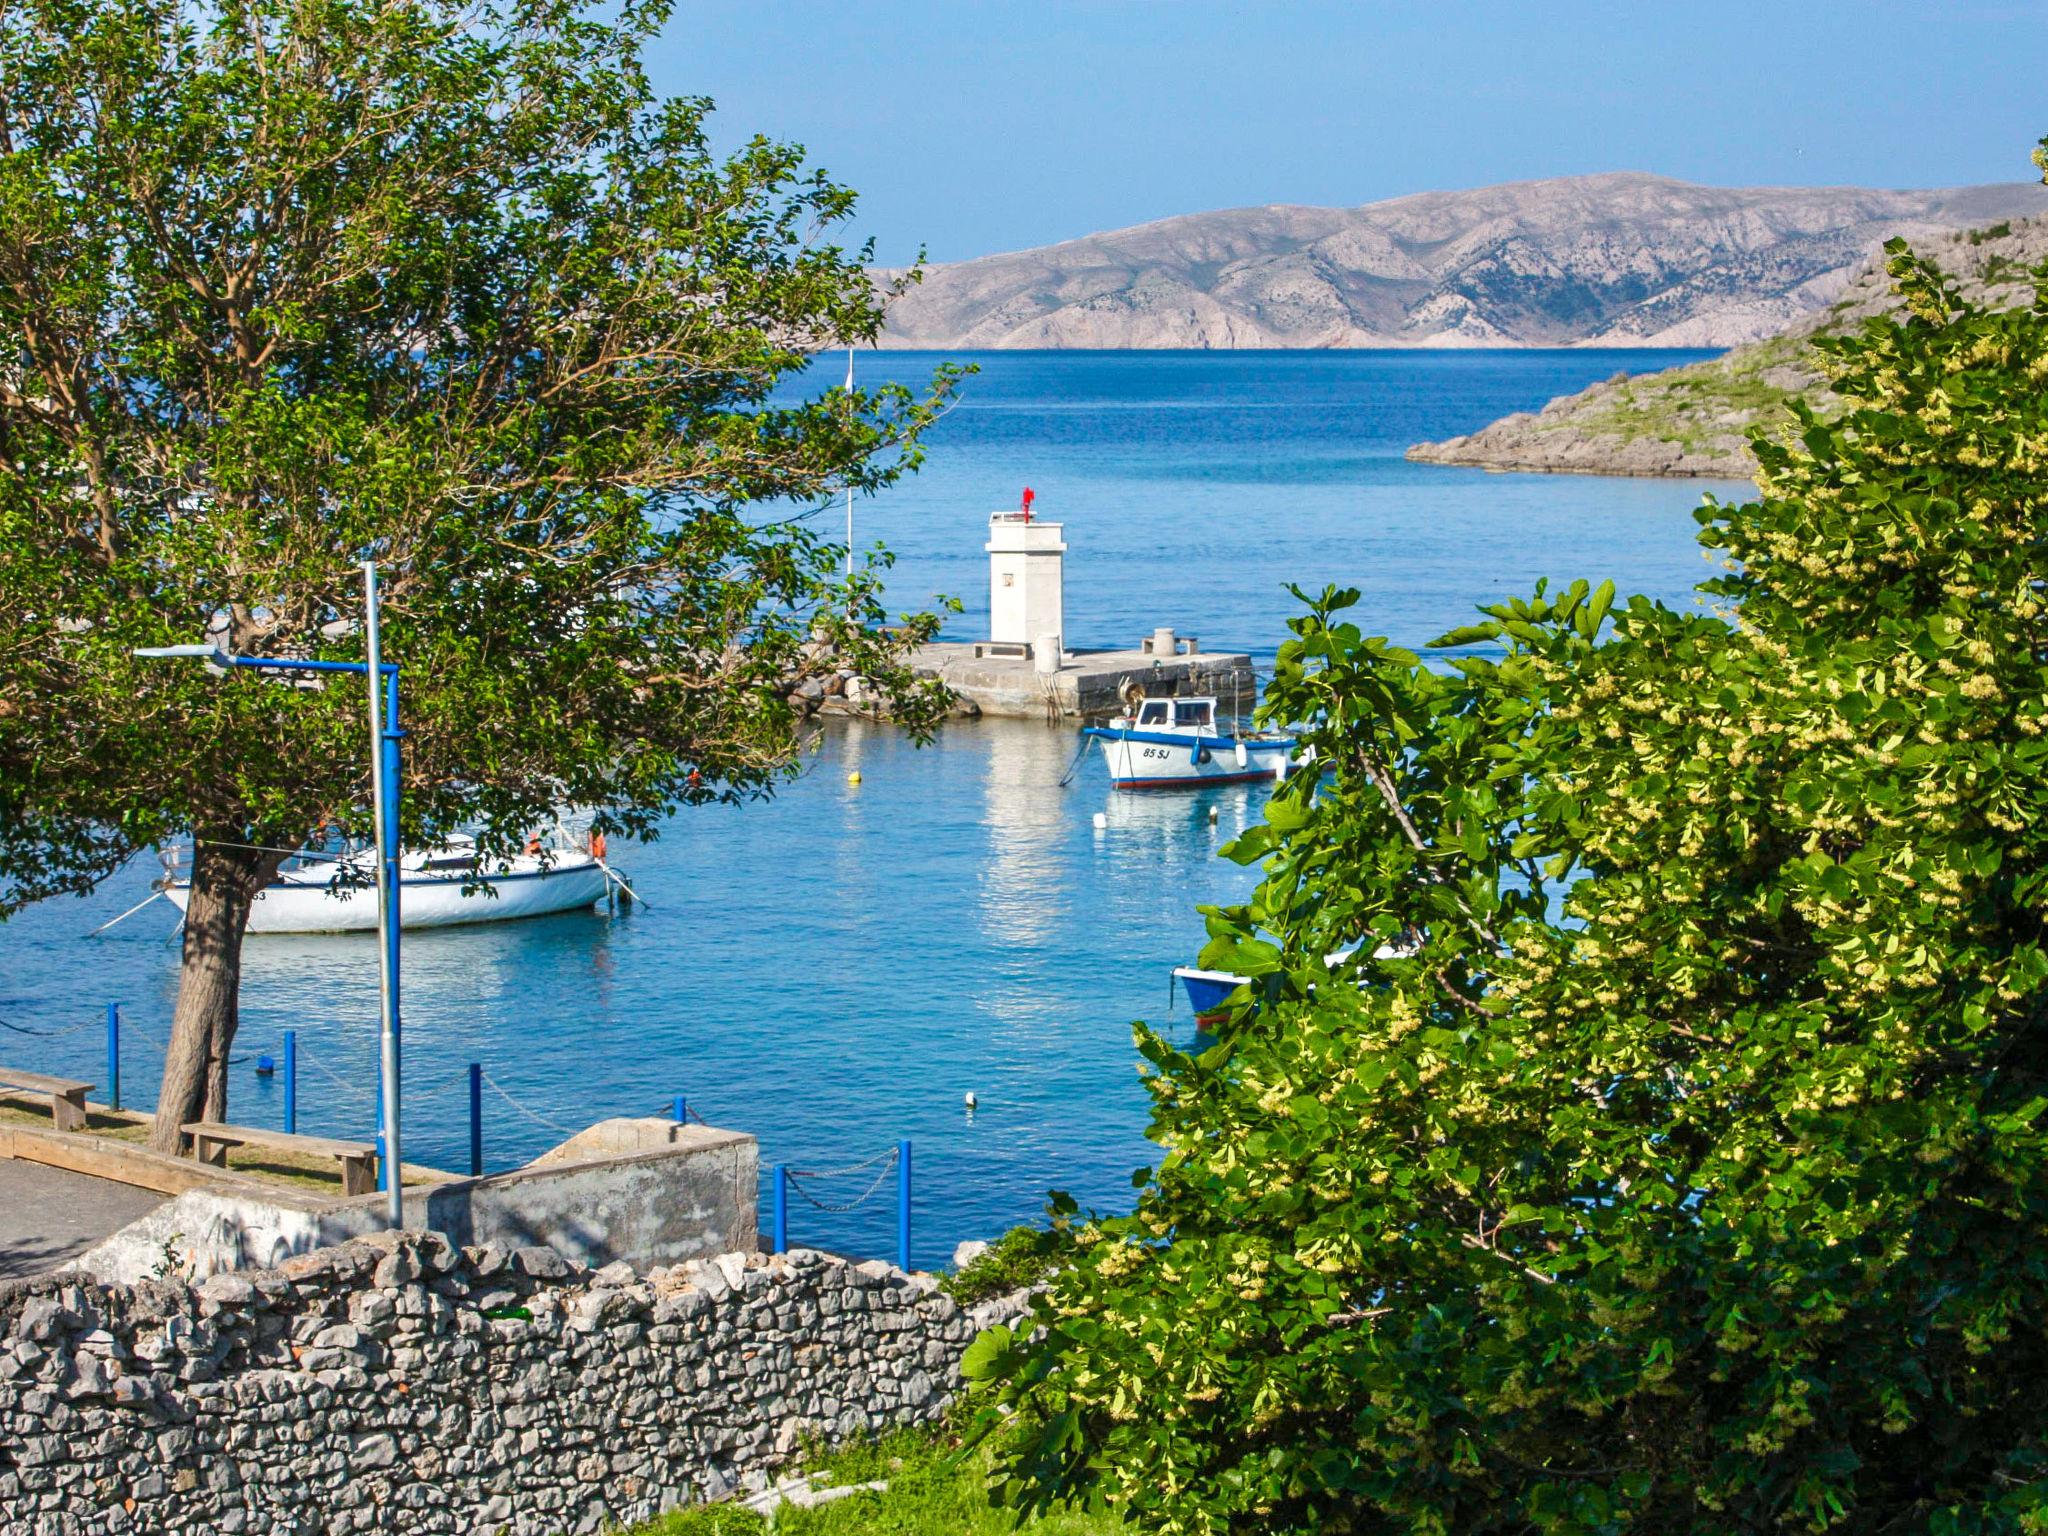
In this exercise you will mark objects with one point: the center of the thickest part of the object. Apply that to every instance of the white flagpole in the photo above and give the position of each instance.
(849, 484)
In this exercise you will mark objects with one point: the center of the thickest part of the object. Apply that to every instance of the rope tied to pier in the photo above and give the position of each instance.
(887, 1161)
(1074, 767)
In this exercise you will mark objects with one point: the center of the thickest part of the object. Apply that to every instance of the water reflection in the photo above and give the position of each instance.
(1030, 821)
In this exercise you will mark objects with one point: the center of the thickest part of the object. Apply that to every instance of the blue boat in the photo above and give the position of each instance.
(1207, 991)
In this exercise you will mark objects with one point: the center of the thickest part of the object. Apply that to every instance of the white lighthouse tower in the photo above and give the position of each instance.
(1026, 600)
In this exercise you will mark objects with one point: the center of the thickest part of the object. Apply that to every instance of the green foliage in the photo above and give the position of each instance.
(1684, 1169)
(287, 284)
(1021, 1256)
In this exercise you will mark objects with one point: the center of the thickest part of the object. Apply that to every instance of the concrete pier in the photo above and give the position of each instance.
(1086, 684)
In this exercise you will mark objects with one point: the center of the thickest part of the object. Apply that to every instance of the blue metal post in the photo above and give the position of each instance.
(388, 854)
(781, 1208)
(682, 1110)
(903, 1206)
(476, 1118)
(113, 1055)
(291, 1082)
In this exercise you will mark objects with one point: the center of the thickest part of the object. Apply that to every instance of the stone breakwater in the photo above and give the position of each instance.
(400, 1384)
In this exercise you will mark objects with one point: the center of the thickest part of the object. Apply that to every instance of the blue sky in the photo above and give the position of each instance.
(970, 126)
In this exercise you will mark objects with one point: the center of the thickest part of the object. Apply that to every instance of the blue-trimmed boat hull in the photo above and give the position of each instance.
(1162, 760)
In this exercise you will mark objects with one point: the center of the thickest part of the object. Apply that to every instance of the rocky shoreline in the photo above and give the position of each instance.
(1695, 421)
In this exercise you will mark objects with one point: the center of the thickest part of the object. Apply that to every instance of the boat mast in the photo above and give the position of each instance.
(849, 483)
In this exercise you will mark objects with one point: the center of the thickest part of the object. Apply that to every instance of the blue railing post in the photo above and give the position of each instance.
(903, 1206)
(291, 1082)
(781, 1208)
(476, 1118)
(113, 1055)
(682, 1110)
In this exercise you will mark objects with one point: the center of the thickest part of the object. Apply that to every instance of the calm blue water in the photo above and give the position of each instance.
(836, 969)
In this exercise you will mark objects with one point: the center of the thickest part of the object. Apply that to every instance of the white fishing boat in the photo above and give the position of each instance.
(1179, 744)
(438, 887)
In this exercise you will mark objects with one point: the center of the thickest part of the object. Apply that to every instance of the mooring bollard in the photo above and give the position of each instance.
(113, 1055)
(476, 1119)
(781, 1208)
(903, 1206)
(682, 1110)
(291, 1082)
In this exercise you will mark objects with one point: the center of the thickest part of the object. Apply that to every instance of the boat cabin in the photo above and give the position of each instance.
(1189, 714)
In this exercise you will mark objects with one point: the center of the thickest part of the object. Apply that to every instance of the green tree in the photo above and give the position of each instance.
(1688, 1175)
(287, 284)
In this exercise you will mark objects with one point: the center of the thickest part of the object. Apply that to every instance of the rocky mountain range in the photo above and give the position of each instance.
(1695, 420)
(1622, 259)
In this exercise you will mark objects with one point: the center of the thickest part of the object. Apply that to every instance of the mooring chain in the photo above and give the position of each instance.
(886, 1159)
(51, 1034)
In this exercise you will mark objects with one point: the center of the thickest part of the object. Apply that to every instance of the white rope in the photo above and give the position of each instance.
(442, 1086)
(354, 1090)
(538, 1119)
(620, 880)
(103, 927)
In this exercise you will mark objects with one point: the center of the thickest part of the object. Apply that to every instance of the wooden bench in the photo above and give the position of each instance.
(211, 1139)
(67, 1099)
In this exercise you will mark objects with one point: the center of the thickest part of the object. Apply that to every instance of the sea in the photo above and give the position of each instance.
(835, 970)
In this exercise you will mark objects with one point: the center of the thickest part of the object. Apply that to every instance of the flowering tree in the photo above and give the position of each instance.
(1690, 1175)
(288, 284)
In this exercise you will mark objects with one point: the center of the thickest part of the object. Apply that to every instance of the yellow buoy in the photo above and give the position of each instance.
(853, 778)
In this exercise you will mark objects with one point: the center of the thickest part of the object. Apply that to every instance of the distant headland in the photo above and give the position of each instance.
(1623, 259)
(1695, 420)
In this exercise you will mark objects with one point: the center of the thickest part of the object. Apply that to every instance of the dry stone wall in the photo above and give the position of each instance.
(400, 1384)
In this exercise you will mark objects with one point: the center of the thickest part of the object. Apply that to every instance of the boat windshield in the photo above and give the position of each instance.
(1194, 712)
(1153, 713)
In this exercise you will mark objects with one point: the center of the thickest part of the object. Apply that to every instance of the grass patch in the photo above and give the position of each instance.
(926, 1496)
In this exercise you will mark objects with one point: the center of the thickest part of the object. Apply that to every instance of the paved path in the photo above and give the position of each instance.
(49, 1214)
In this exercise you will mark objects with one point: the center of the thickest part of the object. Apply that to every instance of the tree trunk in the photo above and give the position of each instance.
(225, 881)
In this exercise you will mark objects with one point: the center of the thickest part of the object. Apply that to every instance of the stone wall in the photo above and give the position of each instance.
(400, 1384)
(648, 1192)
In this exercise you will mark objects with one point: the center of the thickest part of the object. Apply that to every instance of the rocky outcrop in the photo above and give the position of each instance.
(1623, 259)
(1696, 420)
(399, 1384)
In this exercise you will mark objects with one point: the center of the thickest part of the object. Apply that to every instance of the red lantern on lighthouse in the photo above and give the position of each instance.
(1029, 496)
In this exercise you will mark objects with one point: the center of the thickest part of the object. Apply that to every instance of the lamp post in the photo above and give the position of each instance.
(385, 736)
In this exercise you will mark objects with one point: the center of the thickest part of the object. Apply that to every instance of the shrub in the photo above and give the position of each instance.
(1021, 1256)
(1690, 1176)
